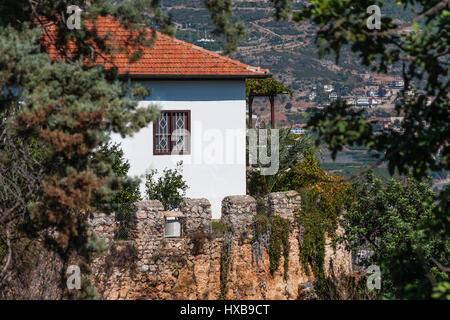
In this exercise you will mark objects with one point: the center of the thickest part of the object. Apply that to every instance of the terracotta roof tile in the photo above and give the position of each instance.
(166, 57)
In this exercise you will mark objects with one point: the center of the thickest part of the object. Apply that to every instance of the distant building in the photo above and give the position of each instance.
(410, 93)
(396, 119)
(397, 84)
(328, 88)
(333, 96)
(350, 102)
(374, 101)
(311, 96)
(372, 93)
(384, 123)
(362, 102)
(298, 131)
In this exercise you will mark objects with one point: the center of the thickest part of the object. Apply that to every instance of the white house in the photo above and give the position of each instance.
(203, 122)
(362, 101)
(328, 88)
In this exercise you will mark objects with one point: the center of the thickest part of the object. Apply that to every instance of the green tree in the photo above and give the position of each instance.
(266, 87)
(420, 48)
(169, 188)
(128, 194)
(55, 115)
(391, 220)
(291, 151)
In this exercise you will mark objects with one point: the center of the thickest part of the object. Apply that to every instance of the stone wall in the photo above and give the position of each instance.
(154, 267)
(238, 212)
(197, 214)
(284, 204)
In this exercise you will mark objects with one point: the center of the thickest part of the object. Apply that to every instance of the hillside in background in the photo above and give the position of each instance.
(288, 49)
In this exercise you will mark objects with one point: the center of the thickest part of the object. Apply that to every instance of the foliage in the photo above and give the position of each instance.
(348, 287)
(422, 54)
(266, 87)
(67, 112)
(291, 151)
(323, 198)
(55, 116)
(421, 144)
(420, 49)
(305, 173)
(392, 220)
(225, 258)
(129, 193)
(220, 11)
(170, 188)
(133, 15)
(338, 126)
(279, 242)
(278, 230)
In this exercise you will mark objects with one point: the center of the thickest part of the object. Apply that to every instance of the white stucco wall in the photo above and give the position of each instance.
(215, 167)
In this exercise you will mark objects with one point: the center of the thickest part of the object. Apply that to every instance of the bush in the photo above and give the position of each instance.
(170, 188)
(128, 191)
(392, 220)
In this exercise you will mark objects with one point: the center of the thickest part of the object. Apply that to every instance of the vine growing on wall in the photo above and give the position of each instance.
(279, 244)
(271, 232)
(225, 257)
(324, 197)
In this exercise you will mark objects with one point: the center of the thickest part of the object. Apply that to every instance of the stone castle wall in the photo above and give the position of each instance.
(151, 266)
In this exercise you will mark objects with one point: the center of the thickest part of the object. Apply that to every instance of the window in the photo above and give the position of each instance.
(171, 133)
(172, 228)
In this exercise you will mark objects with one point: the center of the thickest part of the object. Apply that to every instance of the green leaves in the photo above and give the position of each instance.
(55, 115)
(266, 87)
(291, 152)
(169, 188)
(220, 11)
(283, 9)
(392, 220)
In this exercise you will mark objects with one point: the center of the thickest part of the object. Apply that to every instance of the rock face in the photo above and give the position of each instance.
(190, 267)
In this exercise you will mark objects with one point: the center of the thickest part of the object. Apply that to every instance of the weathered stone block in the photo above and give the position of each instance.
(238, 211)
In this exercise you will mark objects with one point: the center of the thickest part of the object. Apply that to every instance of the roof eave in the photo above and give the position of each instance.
(193, 76)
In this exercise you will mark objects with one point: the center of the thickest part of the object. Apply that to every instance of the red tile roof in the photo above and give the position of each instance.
(167, 57)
